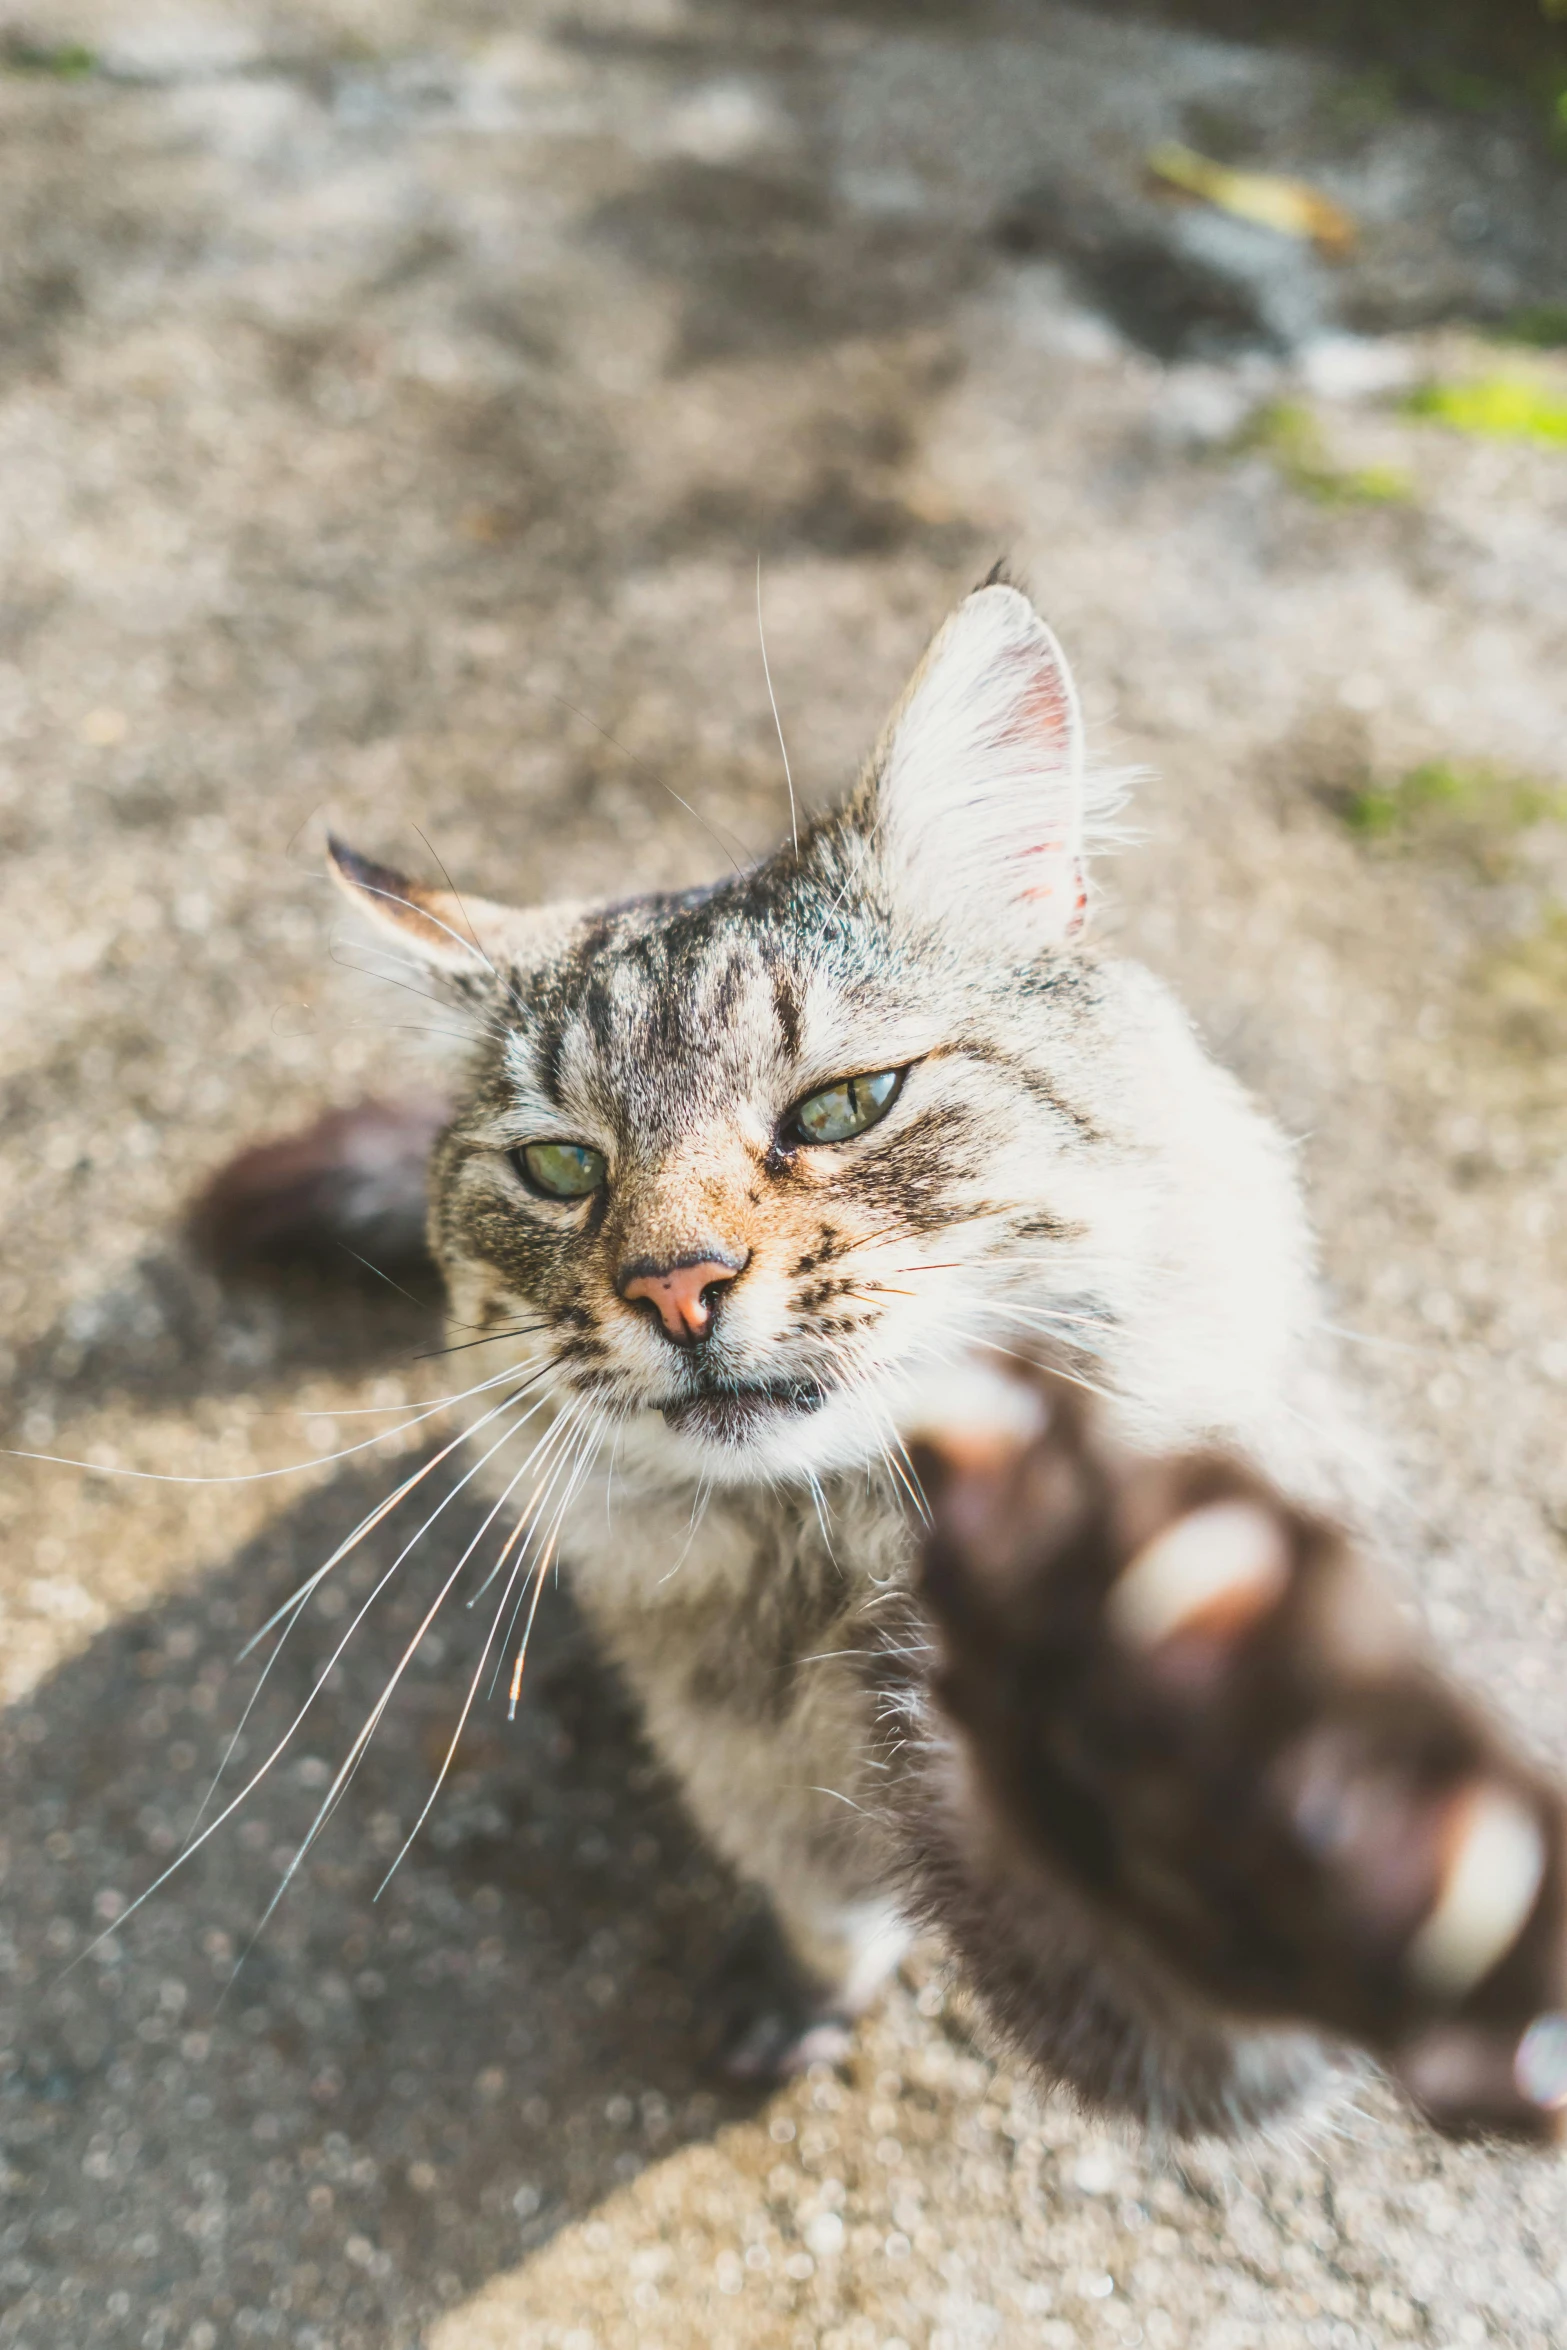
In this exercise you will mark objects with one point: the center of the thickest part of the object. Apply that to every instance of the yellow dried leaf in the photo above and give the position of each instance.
(1293, 207)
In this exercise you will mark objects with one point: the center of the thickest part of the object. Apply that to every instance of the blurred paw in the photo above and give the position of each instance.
(1188, 1696)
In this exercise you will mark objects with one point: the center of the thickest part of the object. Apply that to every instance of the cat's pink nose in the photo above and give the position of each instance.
(681, 1292)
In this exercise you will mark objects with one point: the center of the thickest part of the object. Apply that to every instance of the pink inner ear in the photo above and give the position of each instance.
(1044, 709)
(1042, 714)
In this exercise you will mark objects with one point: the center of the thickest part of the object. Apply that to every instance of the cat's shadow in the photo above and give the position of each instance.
(171, 1328)
(393, 2099)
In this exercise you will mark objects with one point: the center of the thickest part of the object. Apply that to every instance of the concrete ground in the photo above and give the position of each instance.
(394, 401)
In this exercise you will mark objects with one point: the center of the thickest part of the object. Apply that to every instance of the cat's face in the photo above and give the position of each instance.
(742, 1167)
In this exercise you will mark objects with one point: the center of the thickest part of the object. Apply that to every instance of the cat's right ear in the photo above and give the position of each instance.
(461, 938)
(978, 782)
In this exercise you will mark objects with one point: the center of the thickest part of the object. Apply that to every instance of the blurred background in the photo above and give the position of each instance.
(394, 404)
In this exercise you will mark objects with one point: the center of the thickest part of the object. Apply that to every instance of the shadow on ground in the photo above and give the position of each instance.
(422, 2088)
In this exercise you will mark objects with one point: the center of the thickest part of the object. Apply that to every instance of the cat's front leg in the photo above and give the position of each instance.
(1186, 1718)
(771, 1757)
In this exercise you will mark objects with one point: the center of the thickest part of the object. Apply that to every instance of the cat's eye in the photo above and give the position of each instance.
(561, 1170)
(841, 1111)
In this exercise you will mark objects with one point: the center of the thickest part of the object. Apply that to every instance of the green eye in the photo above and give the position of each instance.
(561, 1170)
(840, 1111)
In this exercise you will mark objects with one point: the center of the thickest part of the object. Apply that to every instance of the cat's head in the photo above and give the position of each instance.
(739, 1164)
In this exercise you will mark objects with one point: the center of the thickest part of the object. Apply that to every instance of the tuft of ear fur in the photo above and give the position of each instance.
(437, 925)
(978, 781)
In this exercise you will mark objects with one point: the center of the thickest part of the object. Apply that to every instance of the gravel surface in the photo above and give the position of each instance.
(394, 402)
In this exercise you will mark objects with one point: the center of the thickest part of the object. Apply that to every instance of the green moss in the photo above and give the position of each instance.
(1543, 325)
(1496, 407)
(1473, 808)
(1464, 92)
(68, 61)
(1293, 438)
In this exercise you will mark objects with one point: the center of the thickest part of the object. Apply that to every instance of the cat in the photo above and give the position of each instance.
(749, 1185)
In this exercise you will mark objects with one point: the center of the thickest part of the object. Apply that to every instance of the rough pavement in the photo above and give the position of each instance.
(393, 404)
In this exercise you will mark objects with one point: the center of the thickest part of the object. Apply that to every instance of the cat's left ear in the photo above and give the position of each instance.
(978, 781)
(470, 944)
(434, 924)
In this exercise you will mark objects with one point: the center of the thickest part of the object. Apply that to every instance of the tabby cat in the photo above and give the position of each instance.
(751, 1186)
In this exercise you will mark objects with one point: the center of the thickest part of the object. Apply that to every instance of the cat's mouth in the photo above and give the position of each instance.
(732, 1415)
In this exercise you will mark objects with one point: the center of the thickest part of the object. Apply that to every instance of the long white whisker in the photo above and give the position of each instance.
(292, 1612)
(819, 1504)
(794, 828)
(384, 1508)
(473, 938)
(411, 1650)
(553, 1439)
(699, 1501)
(527, 1527)
(411, 906)
(1072, 1378)
(281, 1747)
(585, 1453)
(386, 979)
(351, 1761)
(260, 1476)
(539, 1571)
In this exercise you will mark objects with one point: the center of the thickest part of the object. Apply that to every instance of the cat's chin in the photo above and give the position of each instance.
(742, 1415)
(751, 1434)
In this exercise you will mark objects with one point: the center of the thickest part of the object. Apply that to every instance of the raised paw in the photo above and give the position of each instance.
(1186, 1699)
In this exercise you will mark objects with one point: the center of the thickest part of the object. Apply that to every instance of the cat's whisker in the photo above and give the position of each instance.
(473, 1686)
(383, 1508)
(349, 1767)
(408, 1028)
(538, 1572)
(609, 1480)
(473, 939)
(902, 1470)
(292, 1613)
(761, 637)
(295, 1606)
(194, 1845)
(388, 979)
(589, 1445)
(653, 776)
(257, 1476)
(819, 1504)
(981, 1265)
(422, 1303)
(699, 1501)
(1072, 1378)
(553, 1439)
(589, 1434)
(515, 1330)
